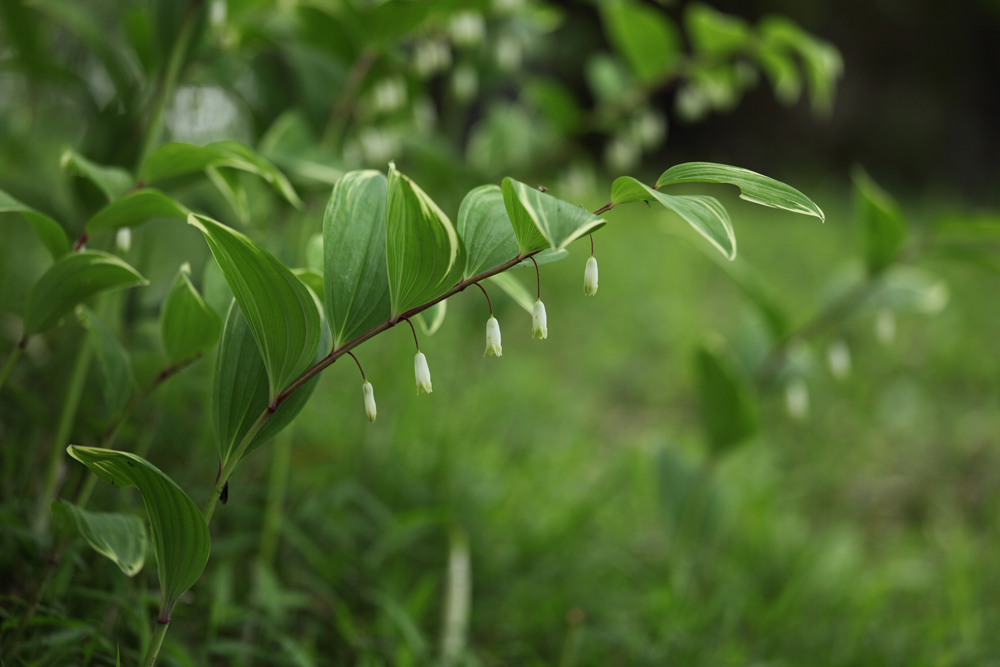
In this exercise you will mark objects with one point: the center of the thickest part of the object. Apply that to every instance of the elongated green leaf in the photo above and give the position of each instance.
(908, 290)
(176, 159)
(515, 290)
(112, 181)
(546, 256)
(355, 278)
(188, 326)
(881, 220)
(728, 406)
(134, 209)
(753, 187)
(180, 535)
(713, 32)
(706, 215)
(49, 232)
(541, 221)
(240, 390)
(311, 279)
(227, 182)
(113, 362)
(485, 229)
(645, 36)
(424, 254)
(431, 319)
(120, 537)
(278, 306)
(73, 279)
(822, 62)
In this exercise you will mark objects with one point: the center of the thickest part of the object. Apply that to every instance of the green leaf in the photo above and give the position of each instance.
(120, 537)
(134, 209)
(713, 32)
(485, 229)
(311, 279)
(175, 159)
(355, 278)
(424, 254)
(227, 182)
(908, 289)
(783, 72)
(49, 232)
(112, 181)
(547, 256)
(706, 215)
(515, 290)
(73, 279)
(113, 362)
(240, 390)
(753, 187)
(541, 221)
(188, 326)
(435, 315)
(645, 36)
(822, 62)
(180, 535)
(882, 222)
(728, 406)
(278, 306)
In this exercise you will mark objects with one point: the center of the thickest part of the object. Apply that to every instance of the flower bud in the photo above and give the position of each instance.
(493, 337)
(123, 239)
(838, 357)
(539, 327)
(590, 277)
(422, 372)
(797, 399)
(366, 388)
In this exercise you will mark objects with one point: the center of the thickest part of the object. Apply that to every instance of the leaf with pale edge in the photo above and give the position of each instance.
(112, 181)
(188, 326)
(541, 221)
(278, 307)
(118, 536)
(180, 535)
(515, 290)
(73, 279)
(706, 215)
(355, 278)
(49, 232)
(431, 319)
(134, 209)
(424, 254)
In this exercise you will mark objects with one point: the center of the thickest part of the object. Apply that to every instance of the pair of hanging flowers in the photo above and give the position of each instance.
(539, 329)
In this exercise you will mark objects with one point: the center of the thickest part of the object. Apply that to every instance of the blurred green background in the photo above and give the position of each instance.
(572, 476)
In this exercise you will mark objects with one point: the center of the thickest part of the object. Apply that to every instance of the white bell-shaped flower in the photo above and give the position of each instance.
(493, 338)
(369, 393)
(539, 325)
(590, 277)
(123, 239)
(422, 372)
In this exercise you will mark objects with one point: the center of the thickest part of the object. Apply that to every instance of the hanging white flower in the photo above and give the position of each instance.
(123, 239)
(493, 338)
(590, 277)
(539, 326)
(422, 372)
(369, 393)
(838, 357)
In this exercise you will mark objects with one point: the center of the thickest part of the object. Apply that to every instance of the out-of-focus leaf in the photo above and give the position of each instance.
(713, 32)
(113, 362)
(728, 405)
(311, 279)
(908, 289)
(112, 181)
(754, 187)
(49, 232)
(290, 143)
(823, 64)
(314, 253)
(424, 253)
(176, 159)
(120, 537)
(546, 256)
(180, 535)
(355, 277)
(782, 71)
(514, 289)
(485, 229)
(278, 306)
(73, 279)
(240, 390)
(645, 36)
(541, 221)
(881, 220)
(227, 182)
(431, 319)
(706, 215)
(188, 326)
(134, 209)
(555, 101)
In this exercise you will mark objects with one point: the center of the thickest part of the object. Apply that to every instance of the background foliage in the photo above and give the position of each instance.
(604, 513)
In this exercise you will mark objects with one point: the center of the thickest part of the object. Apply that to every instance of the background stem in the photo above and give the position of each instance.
(9, 364)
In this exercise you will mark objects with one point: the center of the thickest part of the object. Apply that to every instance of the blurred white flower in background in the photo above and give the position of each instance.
(621, 154)
(467, 28)
(838, 358)
(431, 56)
(388, 95)
(508, 53)
(464, 82)
(797, 399)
